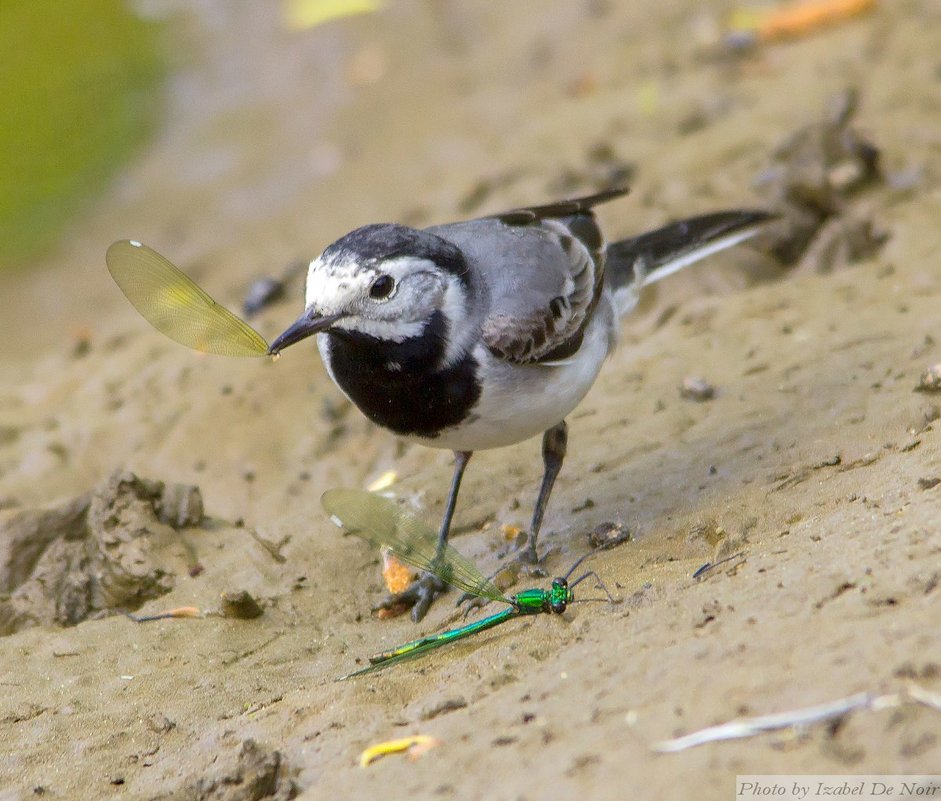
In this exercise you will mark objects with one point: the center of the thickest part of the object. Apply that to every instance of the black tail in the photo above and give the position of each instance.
(634, 263)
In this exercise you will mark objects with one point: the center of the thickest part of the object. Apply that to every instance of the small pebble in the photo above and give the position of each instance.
(697, 389)
(608, 535)
(930, 380)
(240, 604)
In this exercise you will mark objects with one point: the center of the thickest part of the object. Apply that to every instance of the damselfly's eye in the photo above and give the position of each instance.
(382, 287)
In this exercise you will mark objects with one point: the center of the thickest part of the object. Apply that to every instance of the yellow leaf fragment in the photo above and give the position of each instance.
(386, 480)
(299, 15)
(416, 745)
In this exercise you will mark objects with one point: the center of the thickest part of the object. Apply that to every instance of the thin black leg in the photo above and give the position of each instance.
(430, 586)
(461, 458)
(554, 444)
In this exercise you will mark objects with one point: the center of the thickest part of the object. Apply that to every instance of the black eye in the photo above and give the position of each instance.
(382, 287)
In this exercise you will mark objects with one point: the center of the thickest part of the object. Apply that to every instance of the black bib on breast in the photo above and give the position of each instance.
(398, 385)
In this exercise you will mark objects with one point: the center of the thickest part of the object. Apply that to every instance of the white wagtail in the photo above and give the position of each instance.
(484, 333)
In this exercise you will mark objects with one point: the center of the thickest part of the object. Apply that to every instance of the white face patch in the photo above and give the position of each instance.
(387, 330)
(332, 286)
(341, 286)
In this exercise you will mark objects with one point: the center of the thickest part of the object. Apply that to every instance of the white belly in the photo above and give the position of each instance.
(520, 401)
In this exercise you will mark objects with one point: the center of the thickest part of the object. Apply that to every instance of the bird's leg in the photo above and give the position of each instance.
(554, 443)
(430, 586)
(424, 591)
(461, 458)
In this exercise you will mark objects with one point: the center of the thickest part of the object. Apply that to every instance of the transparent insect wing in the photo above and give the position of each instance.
(384, 524)
(176, 306)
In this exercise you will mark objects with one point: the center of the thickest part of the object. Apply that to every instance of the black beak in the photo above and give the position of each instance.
(304, 326)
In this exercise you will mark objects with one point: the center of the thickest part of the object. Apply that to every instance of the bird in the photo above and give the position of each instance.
(483, 333)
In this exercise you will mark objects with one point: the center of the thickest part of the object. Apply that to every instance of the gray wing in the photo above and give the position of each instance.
(543, 271)
(559, 209)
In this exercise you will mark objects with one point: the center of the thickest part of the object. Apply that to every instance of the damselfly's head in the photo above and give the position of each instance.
(560, 596)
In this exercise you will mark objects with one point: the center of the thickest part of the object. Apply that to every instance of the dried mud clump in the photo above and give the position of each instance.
(100, 553)
(256, 775)
(815, 177)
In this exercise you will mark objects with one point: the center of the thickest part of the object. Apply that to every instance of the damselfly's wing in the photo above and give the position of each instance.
(175, 305)
(385, 524)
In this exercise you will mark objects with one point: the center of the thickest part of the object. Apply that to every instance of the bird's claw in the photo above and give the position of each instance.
(528, 560)
(471, 602)
(527, 555)
(418, 597)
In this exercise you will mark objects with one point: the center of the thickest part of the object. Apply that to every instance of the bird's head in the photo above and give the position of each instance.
(385, 281)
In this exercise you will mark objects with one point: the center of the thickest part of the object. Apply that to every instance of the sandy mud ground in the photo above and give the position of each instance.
(815, 458)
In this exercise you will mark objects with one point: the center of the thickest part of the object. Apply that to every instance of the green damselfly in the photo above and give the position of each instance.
(383, 523)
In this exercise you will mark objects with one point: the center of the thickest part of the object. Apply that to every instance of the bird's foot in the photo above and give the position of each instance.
(527, 555)
(418, 597)
(526, 558)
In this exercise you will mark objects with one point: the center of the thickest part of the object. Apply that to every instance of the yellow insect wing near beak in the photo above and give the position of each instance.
(176, 306)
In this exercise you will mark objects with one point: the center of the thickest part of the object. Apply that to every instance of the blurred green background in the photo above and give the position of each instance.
(77, 95)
